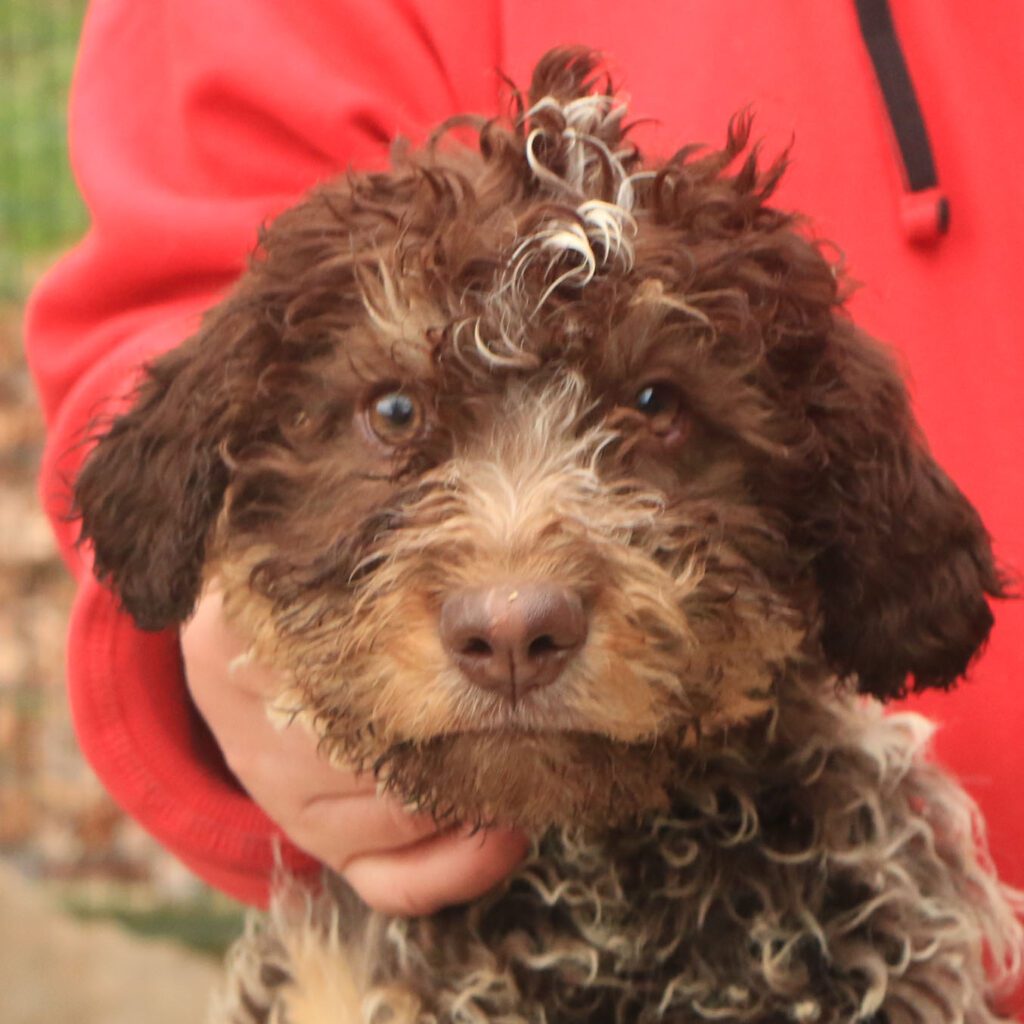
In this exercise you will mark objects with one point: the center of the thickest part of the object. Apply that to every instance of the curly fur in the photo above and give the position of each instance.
(725, 829)
(827, 880)
(787, 883)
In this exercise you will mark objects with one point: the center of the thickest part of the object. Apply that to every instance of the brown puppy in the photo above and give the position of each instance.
(563, 492)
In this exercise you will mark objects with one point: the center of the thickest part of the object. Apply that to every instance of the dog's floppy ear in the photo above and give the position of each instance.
(901, 560)
(148, 492)
(904, 563)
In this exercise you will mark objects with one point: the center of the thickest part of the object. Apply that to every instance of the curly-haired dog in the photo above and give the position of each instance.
(564, 493)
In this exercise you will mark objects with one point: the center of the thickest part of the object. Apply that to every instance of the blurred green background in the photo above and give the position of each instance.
(40, 211)
(63, 843)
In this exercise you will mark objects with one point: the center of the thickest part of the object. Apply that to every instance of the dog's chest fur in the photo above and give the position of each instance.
(789, 881)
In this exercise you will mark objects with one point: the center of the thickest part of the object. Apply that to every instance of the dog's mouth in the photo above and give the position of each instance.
(544, 712)
(529, 779)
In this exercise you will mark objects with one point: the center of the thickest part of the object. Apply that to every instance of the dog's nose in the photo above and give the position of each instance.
(513, 638)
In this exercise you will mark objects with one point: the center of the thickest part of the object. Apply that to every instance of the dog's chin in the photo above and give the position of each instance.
(529, 780)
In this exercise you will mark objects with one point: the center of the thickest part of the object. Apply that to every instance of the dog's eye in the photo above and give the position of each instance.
(661, 403)
(395, 417)
(657, 400)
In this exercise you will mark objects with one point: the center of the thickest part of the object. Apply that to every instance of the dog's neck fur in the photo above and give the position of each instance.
(794, 867)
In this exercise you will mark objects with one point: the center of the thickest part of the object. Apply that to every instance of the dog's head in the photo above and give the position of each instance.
(531, 462)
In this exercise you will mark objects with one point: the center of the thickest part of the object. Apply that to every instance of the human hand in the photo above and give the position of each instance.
(398, 862)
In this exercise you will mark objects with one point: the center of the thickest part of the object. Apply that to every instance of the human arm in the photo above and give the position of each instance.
(191, 124)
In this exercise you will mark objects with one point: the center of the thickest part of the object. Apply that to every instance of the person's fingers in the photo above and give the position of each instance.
(261, 754)
(327, 810)
(213, 652)
(232, 698)
(449, 868)
(395, 860)
(339, 829)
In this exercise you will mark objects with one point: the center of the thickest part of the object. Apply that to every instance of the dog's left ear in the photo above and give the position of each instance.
(903, 560)
(150, 490)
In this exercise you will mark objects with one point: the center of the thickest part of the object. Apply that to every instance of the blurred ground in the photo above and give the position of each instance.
(66, 852)
(54, 969)
(81, 888)
(56, 823)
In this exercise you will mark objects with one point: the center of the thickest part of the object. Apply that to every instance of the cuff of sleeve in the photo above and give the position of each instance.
(137, 728)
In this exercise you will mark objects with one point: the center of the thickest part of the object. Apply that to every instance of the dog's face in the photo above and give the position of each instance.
(530, 465)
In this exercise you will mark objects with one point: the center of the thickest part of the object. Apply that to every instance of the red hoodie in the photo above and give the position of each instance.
(192, 122)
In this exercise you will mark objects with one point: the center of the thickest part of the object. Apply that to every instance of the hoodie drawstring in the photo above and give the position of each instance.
(924, 208)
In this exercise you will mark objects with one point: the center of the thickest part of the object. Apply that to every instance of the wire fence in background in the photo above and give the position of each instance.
(40, 210)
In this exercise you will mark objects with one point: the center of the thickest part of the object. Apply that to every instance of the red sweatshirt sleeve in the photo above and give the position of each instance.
(192, 123)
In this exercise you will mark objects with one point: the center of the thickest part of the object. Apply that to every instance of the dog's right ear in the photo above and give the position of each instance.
(149, 491)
